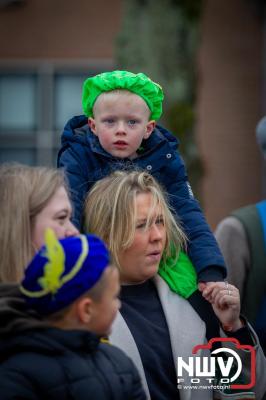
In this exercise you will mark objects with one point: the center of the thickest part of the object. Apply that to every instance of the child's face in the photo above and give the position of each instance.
(121, 122)
(103, 311)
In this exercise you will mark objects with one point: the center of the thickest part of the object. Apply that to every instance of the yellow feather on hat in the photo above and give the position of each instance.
(55, 266)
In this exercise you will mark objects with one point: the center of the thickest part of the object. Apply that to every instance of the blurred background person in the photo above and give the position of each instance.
(242, 239)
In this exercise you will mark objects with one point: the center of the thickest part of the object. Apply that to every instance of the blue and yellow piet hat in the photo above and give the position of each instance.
(140, 84)
(63, 270)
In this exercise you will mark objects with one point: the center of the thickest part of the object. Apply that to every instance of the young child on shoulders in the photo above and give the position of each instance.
(119, 131)
(59, 354)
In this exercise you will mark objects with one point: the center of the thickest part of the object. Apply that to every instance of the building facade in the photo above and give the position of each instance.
(48, 47)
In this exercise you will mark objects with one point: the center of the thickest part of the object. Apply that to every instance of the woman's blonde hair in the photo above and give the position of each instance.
(110, 212)
(24, 192)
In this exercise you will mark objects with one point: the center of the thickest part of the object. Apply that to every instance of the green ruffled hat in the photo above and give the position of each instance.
(139, 84)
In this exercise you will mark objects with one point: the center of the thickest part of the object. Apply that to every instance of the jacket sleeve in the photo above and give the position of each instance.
(124, 376)
(78, 182)
(260, 385)
(233, 242)
(137, 388)
(202, 246)
(247, 369)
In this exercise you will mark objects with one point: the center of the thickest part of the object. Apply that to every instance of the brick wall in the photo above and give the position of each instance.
(59, 29)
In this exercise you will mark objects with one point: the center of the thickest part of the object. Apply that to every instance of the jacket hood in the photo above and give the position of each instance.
(15, 316)
(49, 341)
(22, 329)
(77, 128)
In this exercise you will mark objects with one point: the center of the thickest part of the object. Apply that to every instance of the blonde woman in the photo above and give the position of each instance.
(155, 326)
(31, 199)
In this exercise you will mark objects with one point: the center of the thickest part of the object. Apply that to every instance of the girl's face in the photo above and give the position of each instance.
(141, 260)
(55, 215)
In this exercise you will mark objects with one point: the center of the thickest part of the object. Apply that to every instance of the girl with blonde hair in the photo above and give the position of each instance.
(31, 199)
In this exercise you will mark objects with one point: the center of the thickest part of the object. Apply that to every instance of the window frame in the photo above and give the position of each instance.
(44, 139)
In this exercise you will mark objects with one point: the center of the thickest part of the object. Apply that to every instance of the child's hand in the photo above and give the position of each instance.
(225, 301)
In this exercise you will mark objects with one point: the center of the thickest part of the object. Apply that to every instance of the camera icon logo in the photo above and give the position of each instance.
(223, 364)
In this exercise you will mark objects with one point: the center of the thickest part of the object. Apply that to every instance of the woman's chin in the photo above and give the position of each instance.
(148, 271)
(151, 270)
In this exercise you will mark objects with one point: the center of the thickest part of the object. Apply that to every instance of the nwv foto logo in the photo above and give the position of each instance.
(225, 359)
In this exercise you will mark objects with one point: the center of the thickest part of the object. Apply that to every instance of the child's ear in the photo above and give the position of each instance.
(84, 310)
(92, 125)
(149, 129)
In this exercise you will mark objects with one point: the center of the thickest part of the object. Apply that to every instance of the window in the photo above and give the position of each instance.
(35, 104)
(17, 102)
(68, 91)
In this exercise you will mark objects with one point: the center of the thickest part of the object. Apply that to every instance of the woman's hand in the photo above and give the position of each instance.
(225, 301)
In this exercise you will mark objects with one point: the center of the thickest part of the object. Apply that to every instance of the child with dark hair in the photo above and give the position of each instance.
(50, 333)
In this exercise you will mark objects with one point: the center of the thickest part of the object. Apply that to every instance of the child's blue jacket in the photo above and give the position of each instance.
(85, 162)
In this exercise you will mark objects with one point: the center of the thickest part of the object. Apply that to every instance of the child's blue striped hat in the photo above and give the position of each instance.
(63, 270)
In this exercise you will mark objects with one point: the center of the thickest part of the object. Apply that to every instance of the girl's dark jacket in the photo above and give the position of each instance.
(85, 162)
(38, 362)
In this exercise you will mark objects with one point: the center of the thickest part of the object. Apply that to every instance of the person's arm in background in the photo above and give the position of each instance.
(232, 240)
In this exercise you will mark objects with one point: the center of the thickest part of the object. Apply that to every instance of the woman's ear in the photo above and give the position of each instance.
(84, 310)
(149, 129)
(92, 125)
